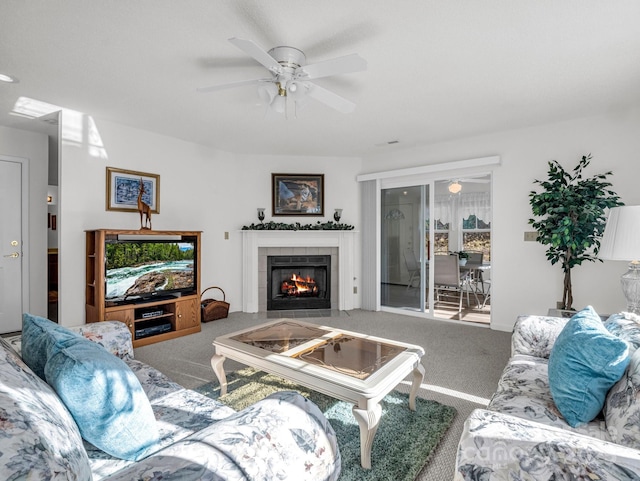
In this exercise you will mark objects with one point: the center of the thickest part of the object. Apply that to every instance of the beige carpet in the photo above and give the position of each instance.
(463, 363)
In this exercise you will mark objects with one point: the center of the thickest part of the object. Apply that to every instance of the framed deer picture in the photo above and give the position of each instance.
(297, 194)
(126, 194)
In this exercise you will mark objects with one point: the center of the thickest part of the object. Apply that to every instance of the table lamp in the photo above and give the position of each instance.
(621, 242)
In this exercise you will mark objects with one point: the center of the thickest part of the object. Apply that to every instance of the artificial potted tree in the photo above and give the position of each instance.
(570, 217)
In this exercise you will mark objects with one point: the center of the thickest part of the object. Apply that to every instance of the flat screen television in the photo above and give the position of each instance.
(150, 269)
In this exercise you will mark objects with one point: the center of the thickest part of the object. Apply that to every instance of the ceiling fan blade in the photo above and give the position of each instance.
(259, 54)
(240, 83)
(341, 65)
(331, 99)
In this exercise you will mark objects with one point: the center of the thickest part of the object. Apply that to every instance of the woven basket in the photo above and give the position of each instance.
(213, 309)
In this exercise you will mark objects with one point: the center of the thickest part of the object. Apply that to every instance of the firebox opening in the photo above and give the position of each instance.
(298, 282)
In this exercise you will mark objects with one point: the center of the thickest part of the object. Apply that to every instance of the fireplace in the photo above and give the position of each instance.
(298, 282)
(257, 245)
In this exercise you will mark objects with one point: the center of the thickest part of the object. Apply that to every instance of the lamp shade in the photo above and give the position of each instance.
(621, 238)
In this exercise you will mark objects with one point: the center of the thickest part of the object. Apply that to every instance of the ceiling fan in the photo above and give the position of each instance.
(455, 185)
(291, 78)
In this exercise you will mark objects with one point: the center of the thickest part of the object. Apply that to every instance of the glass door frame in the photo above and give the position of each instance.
(424, 187)
(402, 246)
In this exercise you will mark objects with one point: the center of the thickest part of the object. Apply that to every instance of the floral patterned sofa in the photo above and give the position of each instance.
(522, 435)
(284, 436)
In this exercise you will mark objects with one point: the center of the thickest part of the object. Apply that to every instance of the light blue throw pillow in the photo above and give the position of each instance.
(40, 337)
(105, 398)
(100, 391)
(585, 362)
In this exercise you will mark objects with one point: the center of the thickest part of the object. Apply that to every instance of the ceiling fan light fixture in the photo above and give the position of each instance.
(279, 104)
(297, 90)
(267, 91)
(455, 187)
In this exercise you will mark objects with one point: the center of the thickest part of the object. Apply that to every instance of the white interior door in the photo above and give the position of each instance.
(10, 246)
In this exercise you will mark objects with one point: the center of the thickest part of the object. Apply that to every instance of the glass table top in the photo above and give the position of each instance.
(355, 356)
(281, 337)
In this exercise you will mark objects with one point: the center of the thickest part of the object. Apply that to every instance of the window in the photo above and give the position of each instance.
(476, 236)
(441, 237)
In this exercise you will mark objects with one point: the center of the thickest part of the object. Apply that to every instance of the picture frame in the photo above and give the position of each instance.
(123, 188)
(297, 194)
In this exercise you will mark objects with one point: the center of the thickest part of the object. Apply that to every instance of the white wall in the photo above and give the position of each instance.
(200, 189)
(523, 281)
(33, 146)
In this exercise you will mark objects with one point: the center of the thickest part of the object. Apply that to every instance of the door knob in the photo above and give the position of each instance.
(13, 254)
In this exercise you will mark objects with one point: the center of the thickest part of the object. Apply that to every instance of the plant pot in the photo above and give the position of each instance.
(462, 262)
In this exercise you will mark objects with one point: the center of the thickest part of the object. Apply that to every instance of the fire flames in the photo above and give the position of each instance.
(299, 286)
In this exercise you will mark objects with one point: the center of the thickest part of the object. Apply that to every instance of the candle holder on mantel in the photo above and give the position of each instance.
(260, 214)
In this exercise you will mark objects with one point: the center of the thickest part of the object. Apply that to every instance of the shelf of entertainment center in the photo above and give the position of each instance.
(149, 320)
(178, 316)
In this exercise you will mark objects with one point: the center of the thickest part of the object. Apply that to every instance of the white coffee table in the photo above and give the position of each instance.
(345, 365)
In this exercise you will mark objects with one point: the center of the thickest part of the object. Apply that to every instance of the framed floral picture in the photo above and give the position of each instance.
(123, 189)
(297, 194)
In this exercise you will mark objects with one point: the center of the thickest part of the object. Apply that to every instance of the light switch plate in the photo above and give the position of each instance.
(531, 236)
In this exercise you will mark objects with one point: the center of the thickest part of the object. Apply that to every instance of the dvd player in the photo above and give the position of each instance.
(151, 313)
(151, 328)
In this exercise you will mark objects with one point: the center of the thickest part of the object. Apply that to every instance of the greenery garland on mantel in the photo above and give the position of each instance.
(329, 225)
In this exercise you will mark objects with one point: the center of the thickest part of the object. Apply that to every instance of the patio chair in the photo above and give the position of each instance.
(447, 281)
(413, 266)
(487, 293)
(474, 278)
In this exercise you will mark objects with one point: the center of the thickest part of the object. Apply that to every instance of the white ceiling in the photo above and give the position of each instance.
(437, 70)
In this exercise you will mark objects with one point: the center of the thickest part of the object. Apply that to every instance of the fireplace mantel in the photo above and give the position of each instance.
(252, 240)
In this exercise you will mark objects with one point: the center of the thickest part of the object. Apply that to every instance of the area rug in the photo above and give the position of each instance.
(405, 440)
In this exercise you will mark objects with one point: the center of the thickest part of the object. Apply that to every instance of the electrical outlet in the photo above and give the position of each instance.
(355, 289)
(531, 236)
(226, 236)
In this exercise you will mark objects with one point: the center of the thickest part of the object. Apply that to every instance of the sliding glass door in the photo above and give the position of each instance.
(442, 217)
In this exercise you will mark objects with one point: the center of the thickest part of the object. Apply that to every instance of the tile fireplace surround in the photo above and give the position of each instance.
(257, 244)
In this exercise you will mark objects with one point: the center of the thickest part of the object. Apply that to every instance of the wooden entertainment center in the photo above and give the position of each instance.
(177, 315)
